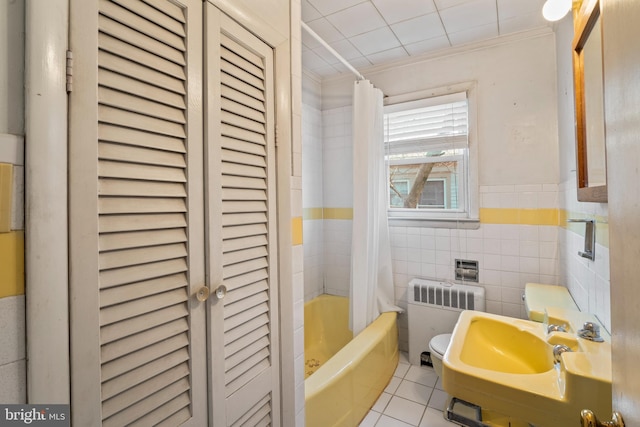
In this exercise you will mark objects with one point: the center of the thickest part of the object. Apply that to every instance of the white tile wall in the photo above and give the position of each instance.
(588, 281)
(13, 350)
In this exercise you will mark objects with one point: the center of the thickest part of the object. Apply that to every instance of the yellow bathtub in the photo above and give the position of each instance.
(345, 376)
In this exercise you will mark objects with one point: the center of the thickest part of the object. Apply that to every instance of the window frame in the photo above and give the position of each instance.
(470, 216)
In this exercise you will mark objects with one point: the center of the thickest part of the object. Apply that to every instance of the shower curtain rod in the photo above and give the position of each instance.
(332, 51)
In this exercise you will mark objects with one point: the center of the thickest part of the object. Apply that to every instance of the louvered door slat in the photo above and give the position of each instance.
(255, 347)
(244, 218)
(230, 207)
(233, 295)
(146, 26)
(235, 334)
(236, 169)
(121, 276)
(247, 279)
(120, 187)
(245, 372)
(140, 306)
(115, 205)
(243, 231)
(137, 376)
(112, 241)
(240, 74)
(244, 304)
(236, 58)
(259, 415)
(242, 146)
(163, 411)
(141, 89)
(176, 419)
(140, 72)
(245, 242)
(115, 223)
(130, 327)
(242, 122)
(168, 8)
(253, 336)
(244, 267)
(139, 105)
(122, 294)
(242, 98)
(140, 139)
(244, 158)
(154, 15)
(134, 360)
(128, 257)
(112, 169)
(239, 109)
(242, 255)
(139, 56)
(233, 46)
(229, 181)
(239, 319)
(119, 152)
(229, 81)
(142, 41)
(142, 122)
(160, 398)
(242, 194)
(135, 394)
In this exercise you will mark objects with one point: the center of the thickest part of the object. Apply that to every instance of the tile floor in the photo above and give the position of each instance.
(413, 398)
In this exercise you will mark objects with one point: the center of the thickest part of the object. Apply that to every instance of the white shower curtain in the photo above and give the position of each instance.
(371, 274)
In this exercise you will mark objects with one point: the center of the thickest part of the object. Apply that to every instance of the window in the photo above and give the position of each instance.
(431, 162)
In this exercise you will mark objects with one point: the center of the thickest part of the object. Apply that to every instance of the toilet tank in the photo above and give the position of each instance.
(433, 309)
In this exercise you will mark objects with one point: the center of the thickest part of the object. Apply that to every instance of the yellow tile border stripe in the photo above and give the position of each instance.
(296, 230)
(311, 213)
(11, 264)
(519, 216)
(337, 213)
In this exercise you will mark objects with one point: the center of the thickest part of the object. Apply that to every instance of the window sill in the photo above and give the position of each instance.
(461, 223)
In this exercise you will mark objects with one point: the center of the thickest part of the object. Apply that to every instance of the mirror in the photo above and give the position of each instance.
(588, 77)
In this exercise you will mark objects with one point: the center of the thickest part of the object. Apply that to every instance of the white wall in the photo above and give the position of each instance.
(12, 67)
(312, 195)
(588, 281)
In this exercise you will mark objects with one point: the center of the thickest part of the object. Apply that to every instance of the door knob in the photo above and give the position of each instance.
(202, 294)
(589, 420)
(221, 291)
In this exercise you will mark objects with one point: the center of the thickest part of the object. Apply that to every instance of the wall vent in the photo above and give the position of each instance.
(447, 295)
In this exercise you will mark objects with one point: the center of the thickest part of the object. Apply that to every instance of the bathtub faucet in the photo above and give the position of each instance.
(591, 332)
(555, 328)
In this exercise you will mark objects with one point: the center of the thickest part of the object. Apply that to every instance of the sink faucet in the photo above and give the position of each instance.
(555, 328)
(558, 349)
(591, 332)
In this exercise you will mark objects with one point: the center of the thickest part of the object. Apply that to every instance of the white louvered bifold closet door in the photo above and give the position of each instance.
(240, 145)
(136, 214)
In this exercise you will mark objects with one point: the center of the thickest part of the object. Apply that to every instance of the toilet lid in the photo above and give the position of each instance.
(439, 343)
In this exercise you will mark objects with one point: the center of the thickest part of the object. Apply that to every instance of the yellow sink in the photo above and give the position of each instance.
(507, 365)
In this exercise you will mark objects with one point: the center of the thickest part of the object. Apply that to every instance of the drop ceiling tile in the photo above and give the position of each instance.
(445, 4)
(510, 9)
(428, 45)
(375, 41)
(400, 10)
(421, 28)
(387, 55)
(360, 62)
(325, 30)
(327, 7)
(474, 34)
(358, 19)
(323, 53)
(522, 23)
(326, 71)
(346, 49)
(469, 15)
(309, 13)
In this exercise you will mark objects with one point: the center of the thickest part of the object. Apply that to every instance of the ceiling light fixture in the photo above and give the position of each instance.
(555, 10)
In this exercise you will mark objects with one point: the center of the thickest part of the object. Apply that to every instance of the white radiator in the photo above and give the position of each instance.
(433, 309)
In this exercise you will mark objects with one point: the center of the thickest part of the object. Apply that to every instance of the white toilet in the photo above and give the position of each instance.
(433, 310)
(437, 347)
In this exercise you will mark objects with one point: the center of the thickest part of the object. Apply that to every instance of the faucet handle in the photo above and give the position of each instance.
(556, 328)
(593, 327)
(558, 349)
